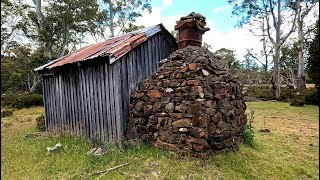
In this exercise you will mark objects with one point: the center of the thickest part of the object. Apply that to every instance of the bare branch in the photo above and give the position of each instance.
(268, 23)
(283, 39)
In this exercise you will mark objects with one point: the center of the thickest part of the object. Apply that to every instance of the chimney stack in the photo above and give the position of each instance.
(191, 28)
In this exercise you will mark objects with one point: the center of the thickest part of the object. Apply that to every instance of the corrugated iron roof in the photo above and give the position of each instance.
(115, 47)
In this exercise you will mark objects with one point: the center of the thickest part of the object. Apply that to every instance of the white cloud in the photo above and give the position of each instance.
(235, 39)
(155, 18)
(221, 9)
(167, 2)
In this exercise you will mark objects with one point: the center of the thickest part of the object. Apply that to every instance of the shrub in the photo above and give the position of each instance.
(6, 113)
(297, 103)
(313, 98)
(295, 96)
(21, 100)
(247, 132)
(41, 123)
(260, 92)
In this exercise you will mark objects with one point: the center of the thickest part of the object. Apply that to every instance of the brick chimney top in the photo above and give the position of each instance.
(191, 28)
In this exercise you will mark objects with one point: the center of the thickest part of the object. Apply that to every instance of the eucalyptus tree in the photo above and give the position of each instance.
(275, 12)
(119, 15)
(304, 9)
(290, 62)
(12, 13)
(227, 57)
(56, 24)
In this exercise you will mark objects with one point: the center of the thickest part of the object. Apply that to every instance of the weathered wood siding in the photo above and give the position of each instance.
(93, 100)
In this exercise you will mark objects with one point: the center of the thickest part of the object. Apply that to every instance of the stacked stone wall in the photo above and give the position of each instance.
(191, 105)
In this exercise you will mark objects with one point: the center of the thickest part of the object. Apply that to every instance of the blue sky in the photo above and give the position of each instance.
(219, 11)
(222, 34)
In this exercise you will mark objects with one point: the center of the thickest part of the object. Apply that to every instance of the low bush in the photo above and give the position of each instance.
(21, 100)
(6, 113)
(313, 98)
(294, 96)
(247, 132)
(260, 92)
(297, 103)
(41, 123)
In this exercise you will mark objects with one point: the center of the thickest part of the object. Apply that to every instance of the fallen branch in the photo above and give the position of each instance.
(110, 169)
(130, 175)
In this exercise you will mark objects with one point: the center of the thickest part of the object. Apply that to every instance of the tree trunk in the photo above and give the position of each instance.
(276, 73)
(28, 81)
(48, 49)
(65, 41)
(265, 66)
(35, 83)
(276, 61)
(301, 84)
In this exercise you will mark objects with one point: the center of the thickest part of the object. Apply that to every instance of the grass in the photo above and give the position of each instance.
(289, 151)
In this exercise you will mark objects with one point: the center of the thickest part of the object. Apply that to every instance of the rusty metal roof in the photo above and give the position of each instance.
(114, 48)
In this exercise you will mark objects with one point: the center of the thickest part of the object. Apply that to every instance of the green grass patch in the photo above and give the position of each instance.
(289, 151)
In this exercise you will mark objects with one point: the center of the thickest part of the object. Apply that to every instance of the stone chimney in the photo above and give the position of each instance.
(191, 28)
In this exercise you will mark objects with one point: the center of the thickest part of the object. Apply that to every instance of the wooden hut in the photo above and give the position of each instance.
(87, 92)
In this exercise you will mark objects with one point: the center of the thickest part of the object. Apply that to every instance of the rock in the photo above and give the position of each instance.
(169, 107)
(205, 72)
(153, 120)
(193, 108)
(139, 106)
(161, 121)
(179, 76)
(192, 140)
(196, 82)
(156, 106)
(223, 126)
(181, 108)
(201, 101)
(198, 132)
(176, 115)
(96, 152)
(221, 93)
(183, 69)
(56, 148)
(137, 95)
(161, 144)
(154, 94)
(200, 120)
(197, 89)
(210, 111)
(183, 130)
(184, 122)
(193, 66)
(169, 137)
(165, 99)
(198, 147)
(168, 90)
(216, 118)
(147, 109)
(264, 130)
(162, 114)
(212, 127)
(210, 104)
(174, 84)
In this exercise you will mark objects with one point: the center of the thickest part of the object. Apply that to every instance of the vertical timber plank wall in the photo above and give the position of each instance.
(92, 100)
